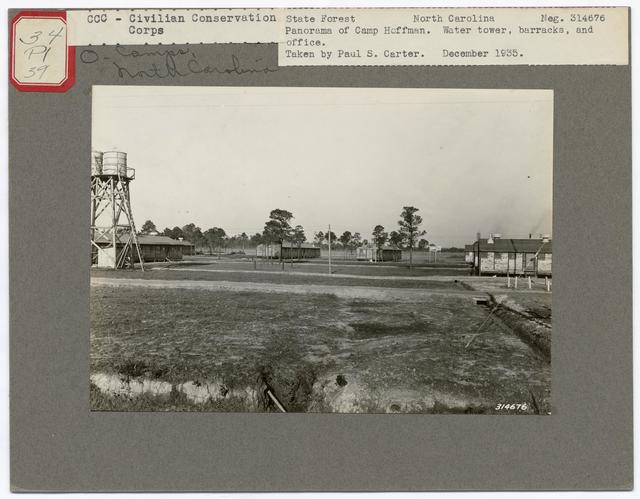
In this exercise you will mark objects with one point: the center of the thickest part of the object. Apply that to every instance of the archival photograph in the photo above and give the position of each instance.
(321, 250)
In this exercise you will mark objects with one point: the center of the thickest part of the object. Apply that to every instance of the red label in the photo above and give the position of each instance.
(41, 58)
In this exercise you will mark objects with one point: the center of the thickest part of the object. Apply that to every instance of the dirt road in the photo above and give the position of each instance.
(352, 292)
(313, 274)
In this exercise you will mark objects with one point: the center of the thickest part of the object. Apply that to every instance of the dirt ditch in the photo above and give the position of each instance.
(276, 389)
(301, 391)
(531, 326)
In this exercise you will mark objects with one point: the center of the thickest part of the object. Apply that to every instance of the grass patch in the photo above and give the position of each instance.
(289, 276)
(442, 408)
(175, 402)
(373, 329)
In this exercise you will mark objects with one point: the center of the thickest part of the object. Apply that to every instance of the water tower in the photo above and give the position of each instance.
(114, 243)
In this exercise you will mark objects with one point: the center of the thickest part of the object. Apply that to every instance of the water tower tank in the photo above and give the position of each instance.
(114, 163)
(96, 163)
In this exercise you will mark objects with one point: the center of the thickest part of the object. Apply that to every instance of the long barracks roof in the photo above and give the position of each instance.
(144, 240)
(287, 244)
(384, 248)
(501, 245)
(163, 240)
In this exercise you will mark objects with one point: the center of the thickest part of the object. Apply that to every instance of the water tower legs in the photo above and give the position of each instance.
(114, 242)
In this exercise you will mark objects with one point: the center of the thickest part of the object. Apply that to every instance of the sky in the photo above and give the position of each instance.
(470, 160)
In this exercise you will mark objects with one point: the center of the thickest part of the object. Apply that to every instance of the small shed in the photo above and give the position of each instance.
(502, 256)
(468, 253)
(385, 254)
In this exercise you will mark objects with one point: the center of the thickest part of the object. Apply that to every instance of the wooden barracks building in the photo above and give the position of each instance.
(153, 248)
(500, 256)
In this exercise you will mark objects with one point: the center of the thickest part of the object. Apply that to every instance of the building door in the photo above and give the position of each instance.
(529, 263)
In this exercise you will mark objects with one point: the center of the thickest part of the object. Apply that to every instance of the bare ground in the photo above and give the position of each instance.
(212, 346)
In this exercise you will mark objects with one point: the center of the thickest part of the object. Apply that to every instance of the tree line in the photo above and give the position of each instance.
(279, 229)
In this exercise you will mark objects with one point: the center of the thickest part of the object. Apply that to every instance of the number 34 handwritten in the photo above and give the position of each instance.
(38, 46)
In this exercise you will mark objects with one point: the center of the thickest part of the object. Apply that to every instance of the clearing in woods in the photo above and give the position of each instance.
(192, 339)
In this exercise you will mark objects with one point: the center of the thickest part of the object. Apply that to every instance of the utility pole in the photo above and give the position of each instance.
(330, 249)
